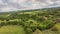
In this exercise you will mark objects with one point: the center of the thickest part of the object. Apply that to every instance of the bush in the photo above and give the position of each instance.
(56, 27)
(2, 23)
(12, 22)
(28, 30)
(46, 25)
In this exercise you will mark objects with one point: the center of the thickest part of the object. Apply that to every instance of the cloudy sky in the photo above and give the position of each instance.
(9, 5)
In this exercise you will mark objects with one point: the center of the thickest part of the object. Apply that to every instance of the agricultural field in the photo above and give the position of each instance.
(40, 21)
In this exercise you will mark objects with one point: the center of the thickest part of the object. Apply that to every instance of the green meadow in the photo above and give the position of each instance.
(12, 29)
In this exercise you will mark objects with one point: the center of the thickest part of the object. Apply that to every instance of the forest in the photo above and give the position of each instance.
(39, 21)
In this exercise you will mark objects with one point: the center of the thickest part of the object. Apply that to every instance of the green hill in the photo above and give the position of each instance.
(32, 21)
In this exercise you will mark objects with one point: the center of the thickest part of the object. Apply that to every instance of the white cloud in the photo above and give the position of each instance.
(49, 2)
(58, 2)
(9, 5)
(6, 9)
(1, 2)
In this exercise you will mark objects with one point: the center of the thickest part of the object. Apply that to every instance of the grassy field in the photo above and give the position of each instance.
(12, 29)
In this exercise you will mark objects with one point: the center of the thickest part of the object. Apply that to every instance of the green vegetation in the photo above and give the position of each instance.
(12, 30)
(46, 21)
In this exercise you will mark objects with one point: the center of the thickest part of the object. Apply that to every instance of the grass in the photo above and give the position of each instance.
(12, 29)
(57, 27)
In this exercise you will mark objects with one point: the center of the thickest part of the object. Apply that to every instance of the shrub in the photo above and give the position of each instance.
(12, 23)
(2, 23)
(56, 27)
(28, 30)
(46, 25)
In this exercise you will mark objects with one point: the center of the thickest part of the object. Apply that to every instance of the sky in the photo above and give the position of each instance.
(12, 5)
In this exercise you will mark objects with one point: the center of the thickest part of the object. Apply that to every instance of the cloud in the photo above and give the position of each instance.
(9, 5)
(6, 9)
